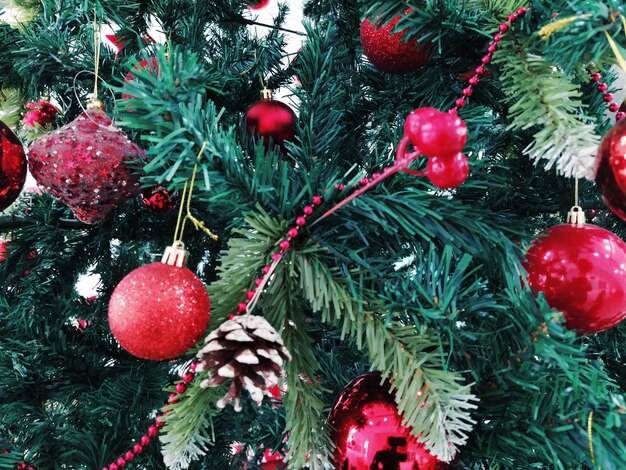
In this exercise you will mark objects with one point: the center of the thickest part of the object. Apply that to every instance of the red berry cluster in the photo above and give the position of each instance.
(493, 47)
(603, 88)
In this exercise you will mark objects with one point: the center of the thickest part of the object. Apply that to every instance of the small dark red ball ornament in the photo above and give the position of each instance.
(368, 433)
(388, 52)
(12, 166)
(42, 113)
(4, 250)
(89, 164)
(272, 120)
(610, 169)
(581, 271)
(258, 4)
(447, 172)
(158, 311)
(158, 199)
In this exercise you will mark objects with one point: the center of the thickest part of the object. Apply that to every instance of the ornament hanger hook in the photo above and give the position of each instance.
(576, 215)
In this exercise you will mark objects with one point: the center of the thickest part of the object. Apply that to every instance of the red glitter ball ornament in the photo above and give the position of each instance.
(272, 120)
(4, 250)
(581, 271)
(158, 199)
(12, 166)
(159, 311)
(388, 52)
(610, 169)
(151, 64)
(258, 4)
(367, 431)
(89, 164)
(42, 113)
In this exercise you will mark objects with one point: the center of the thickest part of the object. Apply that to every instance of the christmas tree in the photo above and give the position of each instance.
(372, 221)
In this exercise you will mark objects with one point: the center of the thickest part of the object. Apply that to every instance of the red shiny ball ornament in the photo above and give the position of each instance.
(388, 52)
(12, 166)
(89, 164)
(610, 169)
(159, 311)
(272, 120)
(447, 172)
(581, 272)
(367, 431)
(158, 199)
(441, 135)
(258, 4)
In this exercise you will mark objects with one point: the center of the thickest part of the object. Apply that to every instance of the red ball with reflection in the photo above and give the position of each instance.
(12, 166)
(367, 431)
(159, 311)
(272, 120)
(158, 199)
(582, 272)
(388, 52)
(611, 169)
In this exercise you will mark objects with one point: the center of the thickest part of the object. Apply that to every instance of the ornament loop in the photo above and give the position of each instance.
(266, 94)
(175, 255)
(576, 216)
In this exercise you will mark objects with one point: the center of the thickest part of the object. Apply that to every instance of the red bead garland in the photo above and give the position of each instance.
(607, 97)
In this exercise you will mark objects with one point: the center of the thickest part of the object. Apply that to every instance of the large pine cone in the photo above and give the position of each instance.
(248, 350)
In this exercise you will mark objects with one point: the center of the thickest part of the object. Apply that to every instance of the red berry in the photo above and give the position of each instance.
(497, 37)
(446, 173)
(121, 462)
(473, 81)
(153, 430)
(521, 11)
(285, 245)
(342, 187)
(250, 295)
(596, 77)
(602, 87)
(468, 91)
(173, 398)
(266, 269)
(258, 281)
(620, 115)
(137, 449)
(194, 365)
(512, 17)
(145, 440)
(608, 97)
(460, 102)
(487, 59)
(308, 210)
(129, 456)
(187, 377)
(317, 200)
(443, 135)
(480, 70)
(292, 233)
(300, 221)
(614, 107)
(180, 388)
(503, 28)
(159, 421)
(416, 119)
(364, 181)
(242, 307)
(276, 256)
(492, 48)
(113, 466)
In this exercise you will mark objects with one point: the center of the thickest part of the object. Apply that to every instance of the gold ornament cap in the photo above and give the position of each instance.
(576, 216)
(266, 94)
(95, 104)
(175, 255)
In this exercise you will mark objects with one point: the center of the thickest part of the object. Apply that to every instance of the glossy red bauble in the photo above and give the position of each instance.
(12, 166)
(388, 52)
(440, 135)
(272, 120)
(367, 431)
(158, 199)
(447, 172)
(258, 4)
(89, 164)
(582, 272)
(610, 168)
(159, 311)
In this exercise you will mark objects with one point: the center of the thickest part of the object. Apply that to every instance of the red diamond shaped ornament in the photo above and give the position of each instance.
(89, 164)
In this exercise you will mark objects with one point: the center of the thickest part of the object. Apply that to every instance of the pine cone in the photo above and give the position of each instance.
(248, 350)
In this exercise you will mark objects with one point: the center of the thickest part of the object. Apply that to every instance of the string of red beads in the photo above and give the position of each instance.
(493, 47)
(603, 88)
